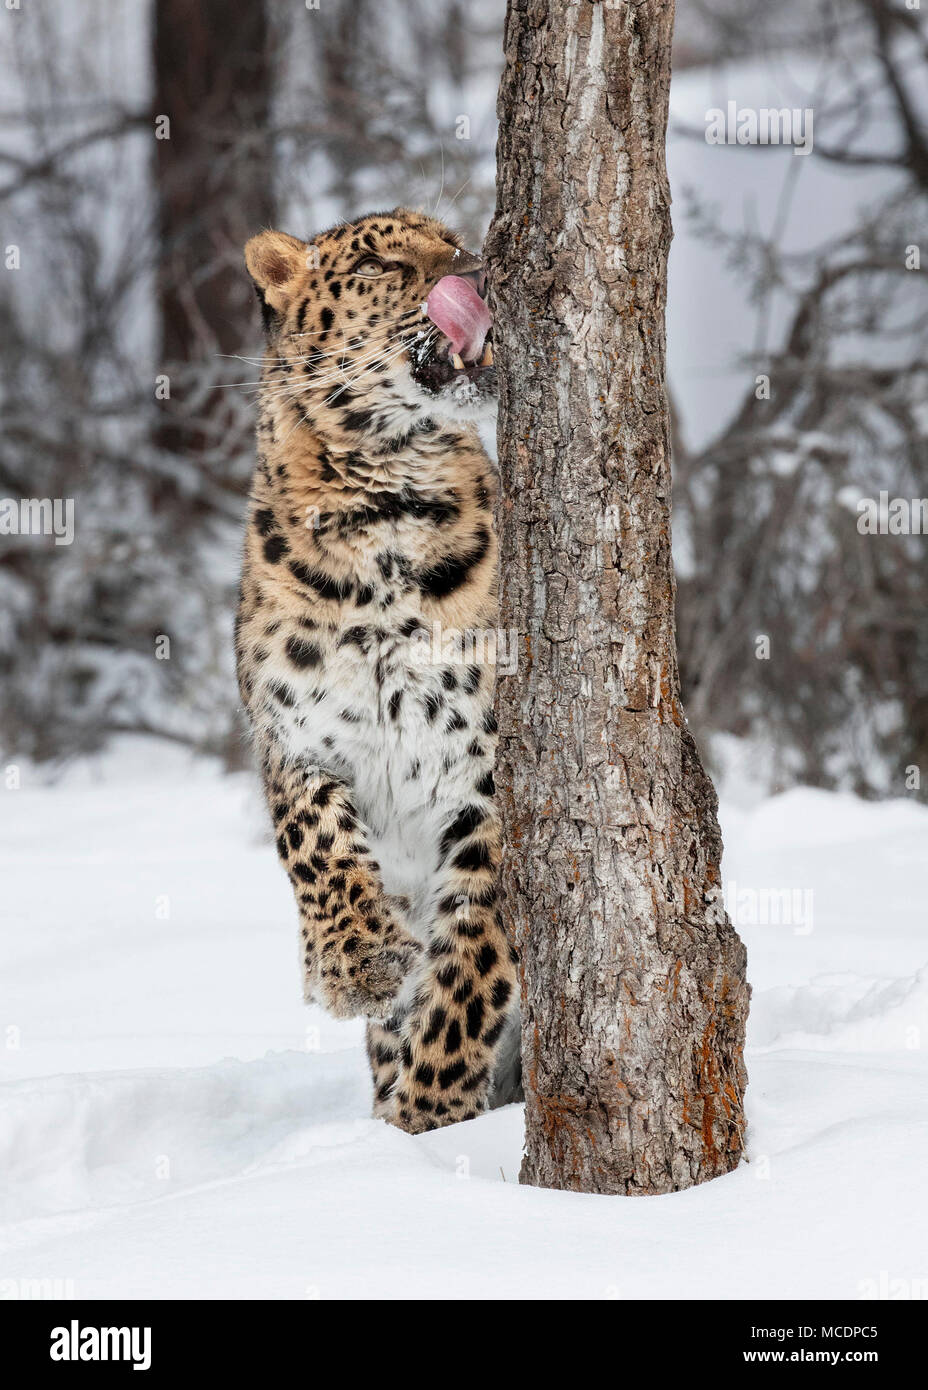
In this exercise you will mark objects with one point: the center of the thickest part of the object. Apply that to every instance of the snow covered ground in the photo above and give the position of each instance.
(174, 1122)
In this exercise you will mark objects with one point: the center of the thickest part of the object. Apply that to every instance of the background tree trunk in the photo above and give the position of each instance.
(214, 180)
(634, 995)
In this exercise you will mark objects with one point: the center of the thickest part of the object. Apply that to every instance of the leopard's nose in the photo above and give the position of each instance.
(478, 278)
(467, 266)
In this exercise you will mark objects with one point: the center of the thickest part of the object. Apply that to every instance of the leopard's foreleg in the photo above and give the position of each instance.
(355, 949)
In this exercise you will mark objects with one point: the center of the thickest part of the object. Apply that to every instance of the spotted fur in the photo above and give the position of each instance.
(371, 522)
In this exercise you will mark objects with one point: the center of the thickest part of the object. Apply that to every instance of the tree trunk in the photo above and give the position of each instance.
(634, 996)
(214, 184)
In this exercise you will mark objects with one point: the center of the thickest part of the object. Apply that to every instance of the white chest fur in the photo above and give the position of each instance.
(401, 732)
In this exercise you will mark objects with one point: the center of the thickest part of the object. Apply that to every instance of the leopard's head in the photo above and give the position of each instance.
(377, 319)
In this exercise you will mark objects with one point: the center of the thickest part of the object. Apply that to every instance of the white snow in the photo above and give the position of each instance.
(174, 1122)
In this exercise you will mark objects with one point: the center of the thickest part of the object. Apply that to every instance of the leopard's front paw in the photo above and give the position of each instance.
(360, 971)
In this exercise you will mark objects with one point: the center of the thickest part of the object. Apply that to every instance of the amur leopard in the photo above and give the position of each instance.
(368, 593)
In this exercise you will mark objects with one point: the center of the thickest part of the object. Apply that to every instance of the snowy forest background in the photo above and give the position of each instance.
(130, 275)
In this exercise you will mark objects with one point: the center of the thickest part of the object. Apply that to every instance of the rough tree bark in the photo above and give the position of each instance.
(634, 996)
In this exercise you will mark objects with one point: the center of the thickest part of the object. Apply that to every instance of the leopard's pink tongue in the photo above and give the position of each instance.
(456, 308)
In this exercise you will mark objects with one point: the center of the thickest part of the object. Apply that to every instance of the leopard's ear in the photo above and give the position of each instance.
(276, 262)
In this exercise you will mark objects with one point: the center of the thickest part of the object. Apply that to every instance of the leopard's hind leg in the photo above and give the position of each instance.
(384, 1042)
(444, 1051)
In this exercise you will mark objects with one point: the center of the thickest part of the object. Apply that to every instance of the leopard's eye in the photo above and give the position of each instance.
(369, 267)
